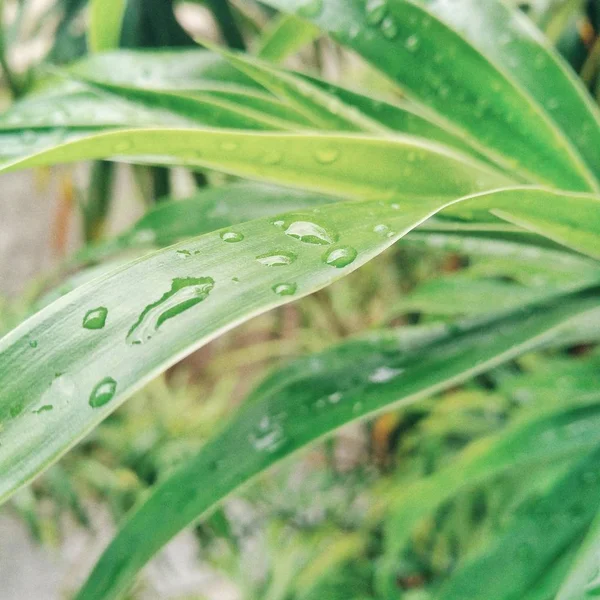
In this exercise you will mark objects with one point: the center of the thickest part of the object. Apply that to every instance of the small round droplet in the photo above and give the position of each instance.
(232, 237)
(103, 392)
(412, 43)
(310, 8)
(327, 155)
(389, 28)
(228, 146)
(33, 343)
(277, 258)
(285, 289)
(341, 257)
(95, 318)
(381, 229)
(272, 158)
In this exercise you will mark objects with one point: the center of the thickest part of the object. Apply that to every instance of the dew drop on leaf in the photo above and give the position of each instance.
(327, 155)
(341, 257)
(33, 343)
(389, 28)
(41, 409)
(267, 436)
(384, 374)
(232, 237)
(272, 158)
(309, 232)
(184, 253)
(185, 293)
(103, 392)
(381, 229)
(412, 43)
(285, 289)
(95, 318)
(277, 258)
(375, 11)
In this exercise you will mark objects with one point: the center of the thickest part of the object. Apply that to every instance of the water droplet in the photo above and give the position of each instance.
(375, 11)
(395, 206)
(389, 28)
(235, 279)
(272, 158)
(341, 257)
(228, 146)
(327, 155)
(33, 343)
(412, 43)
(553, 104)
(277, 258)
(184, 253)
(103, 392)
(185, 293)
(44, 408)
(384, 374)
(310, 9)
(268, 436)
(123, 146)
(95, 318)
(232, 237)
(285, 289)
(335, 397)
(381, 229)
(309, 232)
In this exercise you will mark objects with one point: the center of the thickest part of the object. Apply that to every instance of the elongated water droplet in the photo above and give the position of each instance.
(341, 257)
(95, 318)
(310, 8)
(277, 258)
(375, 11)
(285, 289)
(268, 436)
(335, 397)
(103, 392)
(327, 155)
(232, 237)
(383, 374)
(41, 409)
(185, 293)
(184, 253)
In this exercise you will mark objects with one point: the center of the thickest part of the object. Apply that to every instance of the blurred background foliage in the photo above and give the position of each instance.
(323, 526)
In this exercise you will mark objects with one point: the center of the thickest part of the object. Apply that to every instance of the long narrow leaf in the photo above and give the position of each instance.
(283, 417)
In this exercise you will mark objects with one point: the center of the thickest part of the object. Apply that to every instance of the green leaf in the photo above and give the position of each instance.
(106, 20)
(534, 442)
(583, 579)
(284, 37)
(513, 42)
(438, 67)
(84, 354)
(515, 559)
(343, 165)
(311, 399)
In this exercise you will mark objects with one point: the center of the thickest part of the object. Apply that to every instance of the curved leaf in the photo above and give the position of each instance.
(511, 40)
(286, 414)
(439, 68)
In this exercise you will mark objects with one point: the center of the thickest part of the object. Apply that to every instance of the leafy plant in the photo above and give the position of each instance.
(493, 150)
